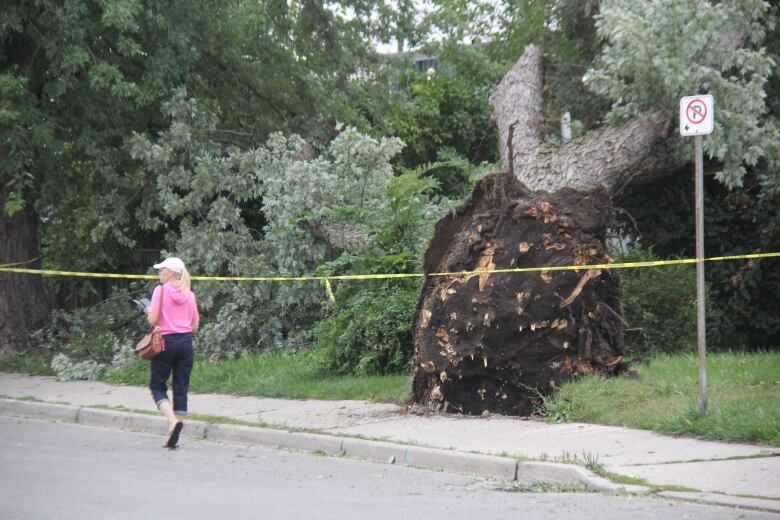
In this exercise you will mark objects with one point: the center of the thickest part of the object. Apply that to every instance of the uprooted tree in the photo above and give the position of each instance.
(499, 341)
(495, 341)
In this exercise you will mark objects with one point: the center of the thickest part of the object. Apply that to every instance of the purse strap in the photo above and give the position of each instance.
(159, 314)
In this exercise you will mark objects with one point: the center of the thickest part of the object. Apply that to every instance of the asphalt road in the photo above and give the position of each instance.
(62, 471)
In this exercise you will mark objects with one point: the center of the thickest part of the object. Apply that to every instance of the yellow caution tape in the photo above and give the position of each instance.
(326, 279)
(329, 290)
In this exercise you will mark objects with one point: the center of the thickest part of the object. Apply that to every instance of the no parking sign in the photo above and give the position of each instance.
(696, 115)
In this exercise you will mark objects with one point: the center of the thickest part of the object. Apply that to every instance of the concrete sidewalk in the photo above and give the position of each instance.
(739, 475)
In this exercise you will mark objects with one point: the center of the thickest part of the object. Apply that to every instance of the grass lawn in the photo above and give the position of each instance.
(744, 398)
(283, 375)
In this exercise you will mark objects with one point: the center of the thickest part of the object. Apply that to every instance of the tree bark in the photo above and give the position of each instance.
(612, 157)
(344, 237)
(22, 301)
(319, 137)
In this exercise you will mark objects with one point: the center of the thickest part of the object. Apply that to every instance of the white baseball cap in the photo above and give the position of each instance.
(172, 263)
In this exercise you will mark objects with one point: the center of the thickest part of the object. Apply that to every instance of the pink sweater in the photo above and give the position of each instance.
(179, 310)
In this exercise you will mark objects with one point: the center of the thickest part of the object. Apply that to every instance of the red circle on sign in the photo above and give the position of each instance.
(696, 114)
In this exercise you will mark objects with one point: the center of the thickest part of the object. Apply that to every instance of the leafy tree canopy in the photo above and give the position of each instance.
(656, 52)
(79, 77)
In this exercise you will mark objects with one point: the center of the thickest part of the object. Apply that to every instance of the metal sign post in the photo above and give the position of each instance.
(696, 118)
(701, 332)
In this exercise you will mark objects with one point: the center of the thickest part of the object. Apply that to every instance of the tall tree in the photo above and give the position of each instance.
(78, 77)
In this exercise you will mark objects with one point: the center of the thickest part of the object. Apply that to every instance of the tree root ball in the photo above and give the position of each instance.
(499, 342)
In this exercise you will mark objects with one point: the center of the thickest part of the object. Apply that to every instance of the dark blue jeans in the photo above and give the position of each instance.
(178, 357)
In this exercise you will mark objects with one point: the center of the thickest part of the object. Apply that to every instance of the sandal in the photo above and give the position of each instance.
(173, 436)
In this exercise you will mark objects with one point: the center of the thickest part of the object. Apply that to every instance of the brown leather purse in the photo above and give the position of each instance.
(151, 345)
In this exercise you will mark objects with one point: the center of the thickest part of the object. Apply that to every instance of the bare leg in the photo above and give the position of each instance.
(175, 425)
(167, 410)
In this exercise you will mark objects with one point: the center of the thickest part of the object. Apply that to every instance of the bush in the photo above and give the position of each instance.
(444, 114)
(69, 370)
(89, 342)
(659, 304)
(372, 333)
(369, 330)
(736, 222)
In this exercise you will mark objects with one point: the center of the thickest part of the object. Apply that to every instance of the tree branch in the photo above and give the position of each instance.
(341, 236)
(319, 137)
(338, 235)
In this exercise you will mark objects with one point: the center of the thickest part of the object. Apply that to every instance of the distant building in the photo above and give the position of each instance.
(424, 63)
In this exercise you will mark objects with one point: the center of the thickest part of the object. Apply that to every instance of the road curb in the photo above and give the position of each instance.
(105, 418)
(432, 458)
(753, 503)
(39, 410)
(272, 438)
(489, 466)
(529, 472)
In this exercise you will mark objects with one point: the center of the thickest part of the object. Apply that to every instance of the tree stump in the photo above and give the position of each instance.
(498, 342)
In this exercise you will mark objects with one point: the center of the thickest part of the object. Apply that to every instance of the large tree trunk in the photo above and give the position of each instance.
(499, 342)
(613, 157)
(22, 301)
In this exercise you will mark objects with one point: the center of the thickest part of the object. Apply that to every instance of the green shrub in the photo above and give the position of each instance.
(89, 342)
(372, 332)
(736, 222)
(68, 370)
(659, 304)
(368, 331)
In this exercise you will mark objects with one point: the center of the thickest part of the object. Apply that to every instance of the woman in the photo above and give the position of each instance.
(175, 311)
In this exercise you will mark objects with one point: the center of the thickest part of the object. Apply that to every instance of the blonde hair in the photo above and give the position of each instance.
(184, 280)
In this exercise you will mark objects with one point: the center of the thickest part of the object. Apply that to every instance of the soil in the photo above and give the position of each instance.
(499, 342)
